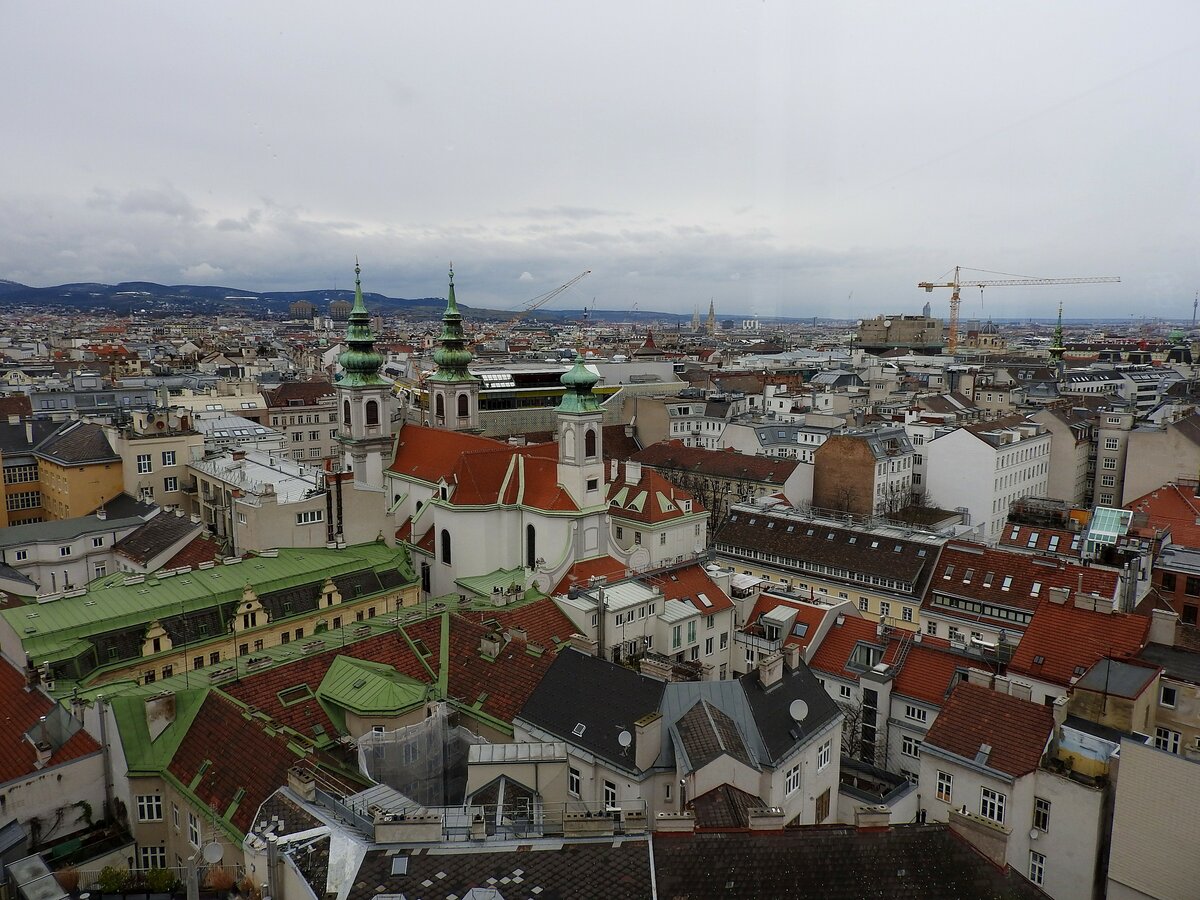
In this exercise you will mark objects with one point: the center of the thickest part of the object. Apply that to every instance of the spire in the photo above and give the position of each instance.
(579, 381)
(360, 362)
(452, 357)
(1057, 351)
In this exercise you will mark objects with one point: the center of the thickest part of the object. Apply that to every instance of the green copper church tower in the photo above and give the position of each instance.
(453, 390)
(365, 400)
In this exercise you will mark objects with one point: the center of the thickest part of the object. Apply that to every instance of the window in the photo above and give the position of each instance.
(146, 494)
(1108, 481)
(823, 756)
(821, 811)
(143, 464)
(911, 746)
(1109, 463)
(844, 691)
(1037, 867)
(309, 517)
(23, 500)
(152, 857)
(724, 640)
(193, 830)
(916, 714)
(175, 816)
(610, 794)
(691, 631)
(589, 443)
(931, 628)
(99, 570)
(64, 551)
(297, 437)
(885, 609)
(708, 647)
(149, 807)
(373, 411)
(1106, 499)
(1165, 739)
(945, 787)
(1166, 696)
(906, 613)
(676, 637)
(863, 603)
(1111, 444)
(170, 484)
(168, 458)
(991, 805)
(573, 782)
(1041, 814)
(791, 782)
(22, 555)
(447, 554)
(637, 537)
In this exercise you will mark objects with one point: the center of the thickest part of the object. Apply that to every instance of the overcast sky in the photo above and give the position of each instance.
(780, 157)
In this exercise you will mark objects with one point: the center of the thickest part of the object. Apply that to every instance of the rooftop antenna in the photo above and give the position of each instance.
(1195, 304)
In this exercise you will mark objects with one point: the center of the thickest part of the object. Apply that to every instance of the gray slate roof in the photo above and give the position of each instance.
(76, 443)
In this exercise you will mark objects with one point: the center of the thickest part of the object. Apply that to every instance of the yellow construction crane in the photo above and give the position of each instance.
(1010, 280)
(542, 299)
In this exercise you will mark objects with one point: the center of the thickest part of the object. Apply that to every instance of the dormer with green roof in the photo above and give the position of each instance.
(453, 390)
(580, 436)
(365, 400)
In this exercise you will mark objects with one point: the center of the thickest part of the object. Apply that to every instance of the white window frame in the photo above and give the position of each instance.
(1162, 696)
(991, 805)
(152, 857)
(1037, 867)
(945, 787)
(1166, 739)
(916, 713)
(193, 830)
(145, 464)
(823, 755)
(791, 781)
(910, 746)
(1041, 814)
(168, 457)
(149, 807)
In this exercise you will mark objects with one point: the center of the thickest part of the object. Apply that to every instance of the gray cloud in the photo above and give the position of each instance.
(790, 155)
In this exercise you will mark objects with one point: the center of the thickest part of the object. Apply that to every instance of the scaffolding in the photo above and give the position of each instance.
(426, 762)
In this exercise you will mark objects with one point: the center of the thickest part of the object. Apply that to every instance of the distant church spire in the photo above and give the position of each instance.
(712, 317)
(1057, 351)
(452, 356)
(360, 363)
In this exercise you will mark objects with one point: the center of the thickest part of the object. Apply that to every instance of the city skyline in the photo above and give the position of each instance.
(781, 161)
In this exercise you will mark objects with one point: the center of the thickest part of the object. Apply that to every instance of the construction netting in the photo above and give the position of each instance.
(426, 762)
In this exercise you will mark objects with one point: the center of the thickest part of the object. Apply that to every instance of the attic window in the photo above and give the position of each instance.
(578, 729)
(949, 571)
(921, 552)
(420, 647)
(791, 528)
(1079, 670)
(770, 524)
(874, 544)
(752, 520)
(809, 532)
(987, 579)
(897, 548)
(1039, 660)
(829, 537)
(800, 629)
(1006, 583)
(1036, 589)
(853, 539)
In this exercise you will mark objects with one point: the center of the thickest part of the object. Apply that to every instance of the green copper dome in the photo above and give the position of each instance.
(360, 363)
(579, 381)
(452, 356)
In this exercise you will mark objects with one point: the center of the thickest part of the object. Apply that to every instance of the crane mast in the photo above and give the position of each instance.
(542, 299)
(958, 283)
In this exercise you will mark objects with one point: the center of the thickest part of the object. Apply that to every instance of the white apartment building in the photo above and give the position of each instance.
(984, 467)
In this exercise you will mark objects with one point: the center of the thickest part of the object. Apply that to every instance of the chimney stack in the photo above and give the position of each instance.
(770, 669)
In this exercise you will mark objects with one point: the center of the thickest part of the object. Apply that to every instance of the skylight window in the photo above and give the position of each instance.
(1006, 583)
(578, 729)
(1036, 589)
(1038, 660)
(948, 573)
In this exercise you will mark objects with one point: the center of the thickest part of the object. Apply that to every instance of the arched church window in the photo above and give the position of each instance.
(589, 443)
(346, 413)
(464, 406)
(372, 412)
(445, 546)
(530, 547)
(439, 406)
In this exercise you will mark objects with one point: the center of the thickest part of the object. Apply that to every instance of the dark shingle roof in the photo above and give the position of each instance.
(604, 698)
(143, 544)
(77, 443)
(706, 733)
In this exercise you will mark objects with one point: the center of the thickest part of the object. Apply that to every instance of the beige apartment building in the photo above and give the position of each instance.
(155, 448)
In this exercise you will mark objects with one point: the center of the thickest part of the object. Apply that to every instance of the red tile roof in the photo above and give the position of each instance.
(1017, 730)
(1175, 507)
(1068, 641)
(651, 500)
(309, 393)
(431, 453)
(929, 671)
(687, 584)
(580, 572)
(617, 444)
(20, 711)
(15, 405)
(674, 455)
(200, 549)
(807, 613)
(1033, 537)
(257, 765)
(839, 642)
(545, 624)
(977, 572)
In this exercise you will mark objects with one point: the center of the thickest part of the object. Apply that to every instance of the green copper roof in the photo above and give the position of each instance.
(369, 689)
(360, 362)
(452, 356)
(579, 382)
(59, 629)
(144, 754)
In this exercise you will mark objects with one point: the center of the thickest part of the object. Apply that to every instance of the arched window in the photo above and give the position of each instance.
(589, 443)
(445, 546)
(464, 406)
(419, 505)
(530, 547)
(439, 407)
(346, 413)
(372, 412)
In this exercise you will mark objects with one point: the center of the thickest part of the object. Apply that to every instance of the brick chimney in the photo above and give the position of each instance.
(770, 669)
(1162, 627)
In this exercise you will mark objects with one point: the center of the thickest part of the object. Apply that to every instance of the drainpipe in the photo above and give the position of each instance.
(102, 709)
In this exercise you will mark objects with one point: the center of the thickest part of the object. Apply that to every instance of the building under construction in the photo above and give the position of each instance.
(913, 334)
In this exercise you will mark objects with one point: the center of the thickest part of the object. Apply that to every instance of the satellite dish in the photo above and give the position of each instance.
(887, 323)
(212, 853)
(625, 739)
(798, 710)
